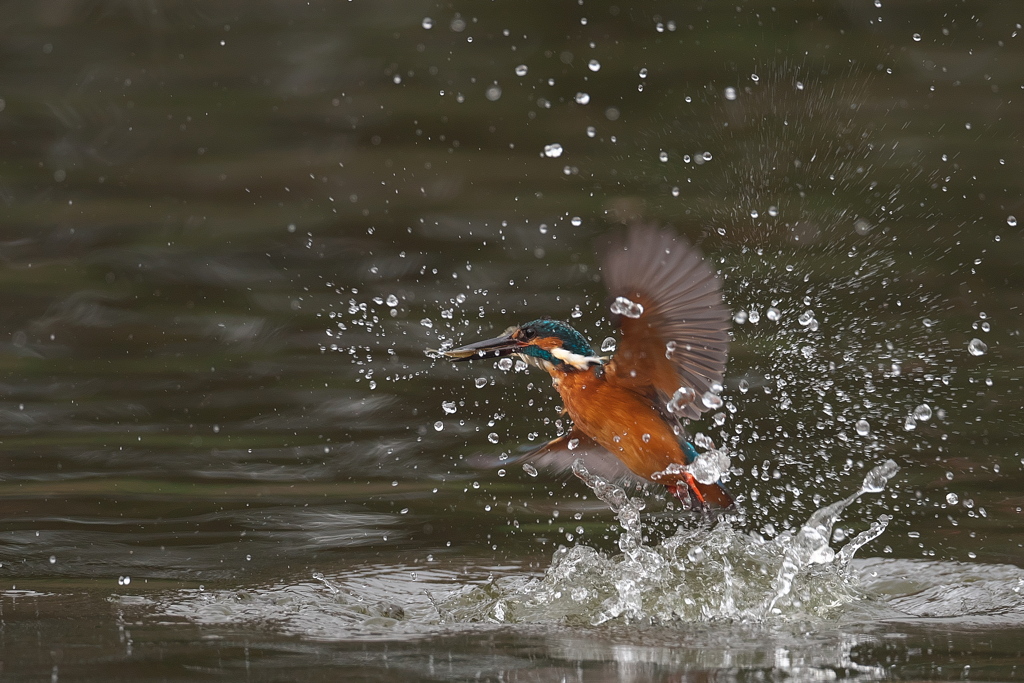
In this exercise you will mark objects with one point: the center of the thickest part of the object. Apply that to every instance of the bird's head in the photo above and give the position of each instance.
(550, 344)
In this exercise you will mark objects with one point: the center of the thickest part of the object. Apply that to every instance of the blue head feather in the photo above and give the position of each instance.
(571, 340)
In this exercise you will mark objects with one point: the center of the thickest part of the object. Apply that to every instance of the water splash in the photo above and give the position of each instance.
(709, 571)
(708, 467)
(682, 398)
(810, 545)
(630, 309)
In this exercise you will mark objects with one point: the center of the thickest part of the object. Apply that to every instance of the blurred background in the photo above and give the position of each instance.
(229, 231)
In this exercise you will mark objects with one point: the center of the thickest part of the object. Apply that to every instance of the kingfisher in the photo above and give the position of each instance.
(627, 410)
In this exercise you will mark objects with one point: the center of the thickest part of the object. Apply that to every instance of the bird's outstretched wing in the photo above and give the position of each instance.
(681, 337)
(557, 456)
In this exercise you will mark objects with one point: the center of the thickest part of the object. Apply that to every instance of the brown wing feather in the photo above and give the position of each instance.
(682, 300)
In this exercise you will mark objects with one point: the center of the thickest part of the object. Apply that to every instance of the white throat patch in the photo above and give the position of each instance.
(574, 359)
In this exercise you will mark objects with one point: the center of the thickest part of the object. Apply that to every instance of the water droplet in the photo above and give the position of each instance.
(576, 221)
(427, 23)
(754, 317)
(630, 309)
(863, 427)
(952, 498)
(608, 345)
(876, 479)
(683, 397)
(917, 37)
(976, 347)
(706, 156)
(730, 93)
(1011, 221)
(439, 425)
(573, 444)
(492, 437)
(910, 424)
(582, 98)
(522, 70)
(773, 314)
(744, 386)
(529, 469)
(576, 312)
(480, 382)
(449, 407)
(594, 65)
(392, 300)
(646, 438)
(663, 156)
(505, 364)
(695, 555)
(643, 73)
(553, 151)
(740, 317)
(493, 93)
(53, 559)
(427, 322)
(754, 213)
(806, 317)
(711, 400)
(591, 131)
(923, 413)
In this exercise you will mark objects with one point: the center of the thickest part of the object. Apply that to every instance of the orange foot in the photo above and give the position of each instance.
(688, 493)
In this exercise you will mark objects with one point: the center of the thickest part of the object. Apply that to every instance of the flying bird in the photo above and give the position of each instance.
(627, 410)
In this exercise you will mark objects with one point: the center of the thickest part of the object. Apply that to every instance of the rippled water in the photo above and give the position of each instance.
(231, 231)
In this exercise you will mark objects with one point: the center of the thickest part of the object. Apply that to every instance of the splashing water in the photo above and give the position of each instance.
(707, 572)
(630, 309)
(710, 466)
(810, 544)
(707, 468)
(683, 397)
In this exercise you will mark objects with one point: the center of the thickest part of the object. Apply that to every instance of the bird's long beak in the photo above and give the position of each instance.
(488, 348)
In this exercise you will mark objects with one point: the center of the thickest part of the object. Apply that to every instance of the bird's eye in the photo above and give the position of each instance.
(527, 333)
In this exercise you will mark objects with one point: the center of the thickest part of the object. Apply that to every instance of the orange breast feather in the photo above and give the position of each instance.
(623, 422)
